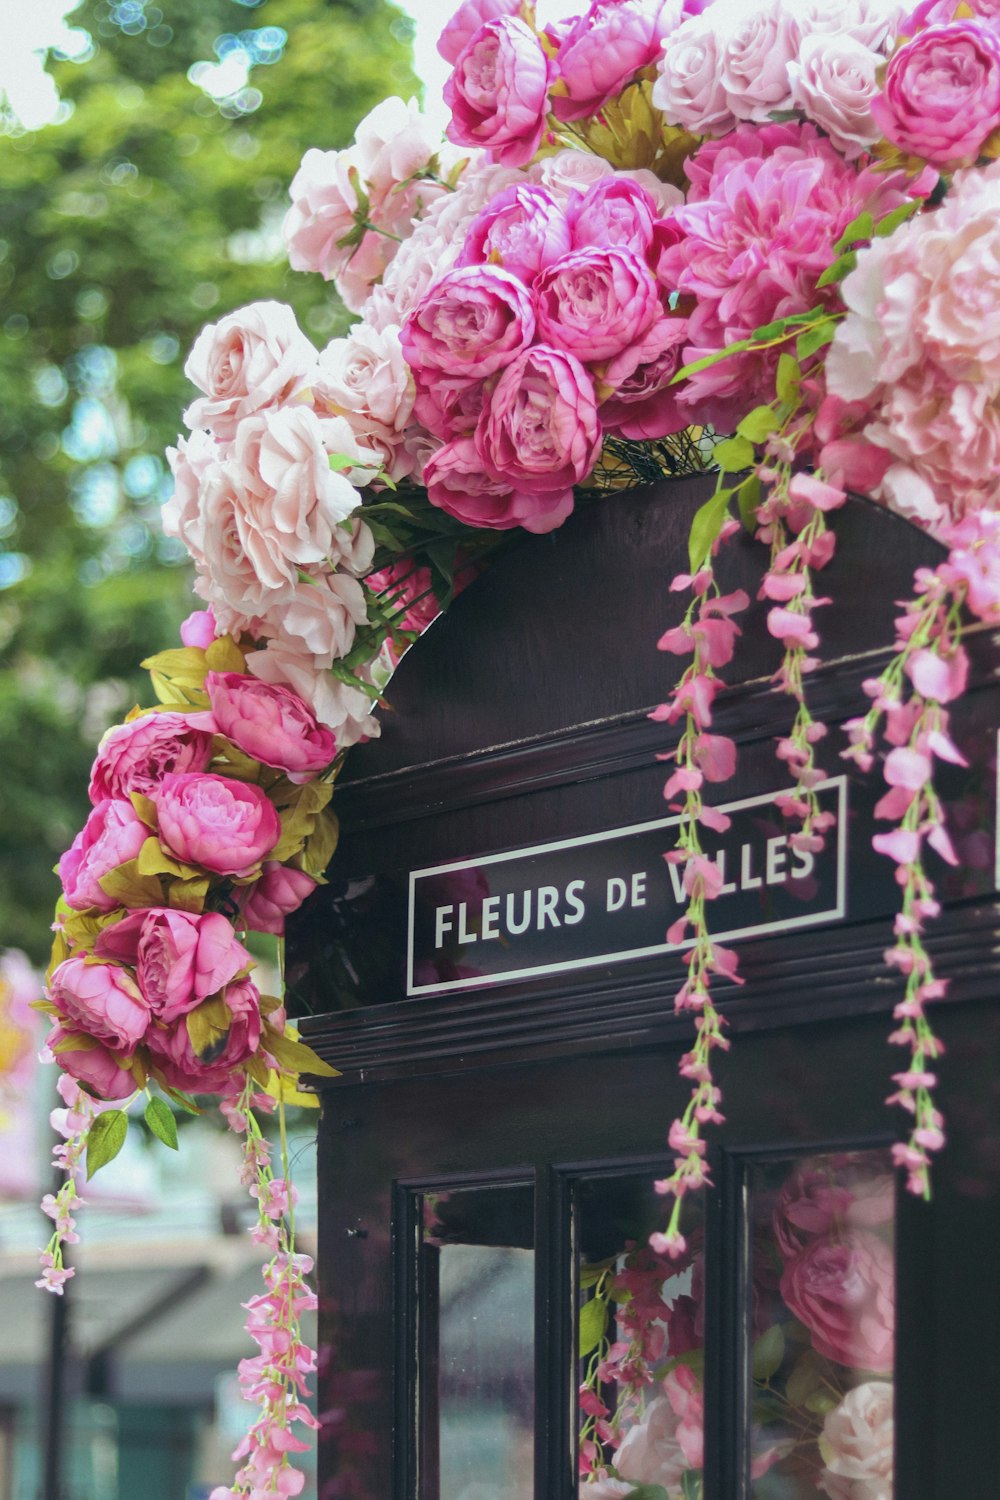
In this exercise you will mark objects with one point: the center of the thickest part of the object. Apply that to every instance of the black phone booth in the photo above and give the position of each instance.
(486, 969)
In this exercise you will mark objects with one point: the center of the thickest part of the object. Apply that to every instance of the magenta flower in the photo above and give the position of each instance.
(474, 321)
(643, 403)
(102, 1000)
(541, 431)
(173, 1055)
(280, 890)
(270, 724)
(604, 50)
(199, 629)
(596, 302)
(111, 836)
(523, 229)
(105, 1073)
(134, 757)
(941, 95)
(498, 93)
(842, 1287)
(467, 20)
(615, 211)
(180, 958)
(460, 482)
(223, 825)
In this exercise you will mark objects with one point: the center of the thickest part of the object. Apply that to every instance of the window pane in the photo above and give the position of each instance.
(823, 1319)
(477, 1383)
(641, 1345)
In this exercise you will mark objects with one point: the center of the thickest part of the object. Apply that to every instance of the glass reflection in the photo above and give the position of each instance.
(641, 1348)
(477, 1366)
(823, 1310)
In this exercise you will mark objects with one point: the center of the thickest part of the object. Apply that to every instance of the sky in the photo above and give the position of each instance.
(29, 27)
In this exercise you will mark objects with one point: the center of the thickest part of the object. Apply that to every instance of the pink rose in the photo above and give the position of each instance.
(541, 430)
(941, 94)
(279, 891)
(450, 411)
(134, 757)
(689, 89)
(103, 1073)
(687, 1398)
(615, 211)
(270, 724)
(650, 1452)
(467, 20)
(224, 826)
(756, 53)
(857, 1444)
(498, 93)
(252, 358)
(471, 323)
(173, 1055)
(604, 50)
(396, 141)
(102, 1000)
(112, 835)
(199, 629)
(458, 482)
(180, 958)
(833, 83)
(320, 617)
(842, 1287)
(811, 1203)
(523, 229)
(366, 374)
(596, 302)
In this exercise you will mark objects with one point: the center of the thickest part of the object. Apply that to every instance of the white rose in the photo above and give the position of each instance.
(833, 83)
(755, 49)
(244, 571)
(394, 141)
(366, 373)
(571, 171)
(253, 358)
(856, 1442)
(689, 89)
(873, 23)
(319, 617)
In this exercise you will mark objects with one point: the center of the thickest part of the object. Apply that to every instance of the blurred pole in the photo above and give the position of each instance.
(54, 1403)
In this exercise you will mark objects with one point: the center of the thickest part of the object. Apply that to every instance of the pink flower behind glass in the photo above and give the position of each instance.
(651, 1452)
(498, 92)
(842, 1287)
(224, 826)
(857, 1444)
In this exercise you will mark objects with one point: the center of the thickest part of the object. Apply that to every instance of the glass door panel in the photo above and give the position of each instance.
(641, 1346)
(822, 1307)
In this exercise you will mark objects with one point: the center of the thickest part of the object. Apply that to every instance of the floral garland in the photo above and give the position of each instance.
(656, 222)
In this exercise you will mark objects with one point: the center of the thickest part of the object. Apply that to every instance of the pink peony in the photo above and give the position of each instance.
(343, 708)
(467, 20)
(857, 1444)
(471, 323)
(112, 835)
(596, 302)
(460, 483)
(279, 891)
(605, 48)
(450, 411)
(173, 1055)
(224, 826)
(941, 94)
(523, 229)
(842, 1287)
(270, 724)
(102, 1000)
(541, 431)
(180, 958)
(102, 1072)
(251, 359)
(812, 1202)
(615, 211)
(134, 757)
(643, 404)
(498, 92)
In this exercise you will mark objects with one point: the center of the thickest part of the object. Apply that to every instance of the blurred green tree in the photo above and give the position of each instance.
(153, 207)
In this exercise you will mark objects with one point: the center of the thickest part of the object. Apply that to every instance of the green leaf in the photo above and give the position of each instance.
(767, 1354)
(895, 217)
(296, 1057)
(839, 269)
(789, 379)
(861, 228)
(815, 338)
(706, 526)
(739, 347)
(591, 1275)
(691, 1484)
(806, 1376)
(748, 498)
(185, 1102)
(160, 1119)
(758, 424)
(733, 454)
(593, 1322)
(641, 1492)
(105, 1139)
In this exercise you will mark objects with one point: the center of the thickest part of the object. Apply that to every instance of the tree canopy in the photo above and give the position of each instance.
(152, 208)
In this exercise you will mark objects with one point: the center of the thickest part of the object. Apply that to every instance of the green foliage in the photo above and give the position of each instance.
(593, 1322)
(105, 1139)
(160, 1119)
(151, 210)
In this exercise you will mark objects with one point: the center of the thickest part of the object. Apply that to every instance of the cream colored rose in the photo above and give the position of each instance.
(856, 1443)
(251, 359)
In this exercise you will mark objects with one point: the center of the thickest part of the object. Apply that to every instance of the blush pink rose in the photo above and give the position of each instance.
(103, 1073)
(650, 1452)
(134, 757)
(460, 483)
(365, 374)
(833, 83)
(595, 302)
(180, 958)
(172, 1054)
(689, 89)
(471, 323)
(523, 229)
(101, 1000)
(112, 835)
(941, 93)
(279, 891)
(467, 20)
(224, 826)
(857, 1444)
(842, 1287)
(498, 93)
(252, 358)
(541, 430)
(605, 48)
(270, 724)
(757, 49)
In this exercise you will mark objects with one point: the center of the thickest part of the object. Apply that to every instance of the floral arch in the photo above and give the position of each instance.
(778, 220)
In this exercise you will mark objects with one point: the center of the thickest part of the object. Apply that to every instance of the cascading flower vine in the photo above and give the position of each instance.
(779, 219)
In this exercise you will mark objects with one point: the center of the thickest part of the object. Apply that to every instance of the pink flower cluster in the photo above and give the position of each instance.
(266, 518)
(134, 972)
(553, 328)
